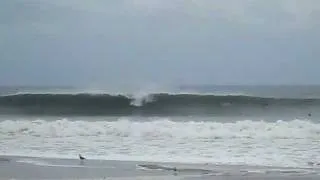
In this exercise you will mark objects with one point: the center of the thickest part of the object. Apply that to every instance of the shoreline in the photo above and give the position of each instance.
(23, 167)
(173, 163)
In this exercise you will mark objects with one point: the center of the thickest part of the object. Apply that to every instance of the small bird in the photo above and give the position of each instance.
(174, 169)
(81, 157)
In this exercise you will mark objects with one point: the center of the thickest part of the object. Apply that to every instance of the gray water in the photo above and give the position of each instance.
(269, 102)
(244, 128)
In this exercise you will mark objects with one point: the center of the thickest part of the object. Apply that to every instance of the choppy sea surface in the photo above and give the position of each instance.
(229, 125)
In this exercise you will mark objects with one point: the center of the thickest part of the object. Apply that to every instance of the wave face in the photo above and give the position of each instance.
(151, 104)
(278, 143)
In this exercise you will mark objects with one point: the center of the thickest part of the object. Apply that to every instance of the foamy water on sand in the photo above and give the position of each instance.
(245, 142)
(16, 167)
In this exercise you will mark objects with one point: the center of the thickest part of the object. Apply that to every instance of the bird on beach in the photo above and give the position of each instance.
(174, 169)
(81, 157)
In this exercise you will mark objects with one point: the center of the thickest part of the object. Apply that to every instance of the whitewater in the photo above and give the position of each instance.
(252, 126)
(157, 139)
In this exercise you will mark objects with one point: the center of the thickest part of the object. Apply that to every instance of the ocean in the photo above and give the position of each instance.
(273, 126)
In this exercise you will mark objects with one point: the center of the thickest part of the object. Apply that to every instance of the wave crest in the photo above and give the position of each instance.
(156, 104)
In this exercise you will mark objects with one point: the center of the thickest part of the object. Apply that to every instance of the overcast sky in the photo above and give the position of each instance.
(126, 42)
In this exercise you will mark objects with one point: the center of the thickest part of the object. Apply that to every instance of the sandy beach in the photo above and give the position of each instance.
(44, 168)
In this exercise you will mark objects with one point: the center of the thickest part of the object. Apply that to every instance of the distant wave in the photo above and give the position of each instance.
(157, 104)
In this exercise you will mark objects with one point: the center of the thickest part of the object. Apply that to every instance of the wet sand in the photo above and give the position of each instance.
(13, 167)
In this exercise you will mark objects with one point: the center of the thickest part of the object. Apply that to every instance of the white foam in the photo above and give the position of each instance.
(280, 143)
(48, 164)
(33, 162)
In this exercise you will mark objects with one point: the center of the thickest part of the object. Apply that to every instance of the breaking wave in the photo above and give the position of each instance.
(146, 104)
(162, 127)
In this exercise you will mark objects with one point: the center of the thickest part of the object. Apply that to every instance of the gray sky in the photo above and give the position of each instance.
(126, 42)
